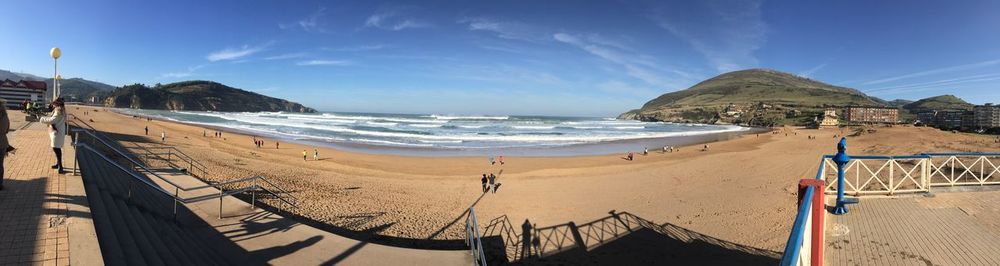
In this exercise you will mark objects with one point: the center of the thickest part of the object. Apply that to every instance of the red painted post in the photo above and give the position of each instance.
(818, 225)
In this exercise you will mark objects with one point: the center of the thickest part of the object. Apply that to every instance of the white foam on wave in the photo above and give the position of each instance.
(533, 127)
(425, 125)
(494, 137)
(469, 117)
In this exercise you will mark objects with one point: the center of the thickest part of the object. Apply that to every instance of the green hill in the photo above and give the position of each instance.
(938, 103)
(198, 96)
(81, 89)
(784, 92)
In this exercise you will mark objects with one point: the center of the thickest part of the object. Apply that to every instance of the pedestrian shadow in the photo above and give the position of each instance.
(22, 204)
(620, 238)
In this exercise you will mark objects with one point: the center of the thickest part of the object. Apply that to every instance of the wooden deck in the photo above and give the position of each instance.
(953, 228)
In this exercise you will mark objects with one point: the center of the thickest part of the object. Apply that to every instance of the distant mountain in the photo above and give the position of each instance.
(898, 103)
(938, 103)
(705, 101)
(73, 89)
(81, 89)
(4, 74)
(198, 96)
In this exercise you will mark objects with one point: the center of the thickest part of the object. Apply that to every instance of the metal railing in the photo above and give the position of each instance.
(889, 175)
(194, 168)
(473, 238)
(136, 167)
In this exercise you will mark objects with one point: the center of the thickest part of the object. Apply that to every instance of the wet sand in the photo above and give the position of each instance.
(741, 190)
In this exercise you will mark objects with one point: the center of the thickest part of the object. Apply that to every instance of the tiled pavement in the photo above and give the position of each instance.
(33, 203)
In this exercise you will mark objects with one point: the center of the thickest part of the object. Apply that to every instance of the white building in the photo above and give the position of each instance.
(15, 93)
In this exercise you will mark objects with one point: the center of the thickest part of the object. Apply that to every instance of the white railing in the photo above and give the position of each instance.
(888, 175)
(958, 169)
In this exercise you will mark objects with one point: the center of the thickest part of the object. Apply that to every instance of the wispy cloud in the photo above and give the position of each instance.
(392, 18)
(309, 23)
(324, 63)
(809, 72)
(618, 87)
(285, 56)
(936, 71)
(512, 30)
(182, 74)
(728, 40)
(635, 65)
(360, 48)
(937, 84)
(236, 53)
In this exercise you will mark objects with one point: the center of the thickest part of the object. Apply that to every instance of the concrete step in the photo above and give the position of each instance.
(140, 230)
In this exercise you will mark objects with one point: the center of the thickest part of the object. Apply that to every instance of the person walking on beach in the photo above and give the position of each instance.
(491, 160)
(276, 144)
(645, 151)
(501, 159)
(57, 131)
(493, 180)
(147, 130)
(316, 154)
(4, 144)
(304, 158)
(163, 136)
(485, 188)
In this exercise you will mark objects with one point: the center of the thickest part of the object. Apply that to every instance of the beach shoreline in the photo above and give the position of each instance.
(412, 200)
(602, 148)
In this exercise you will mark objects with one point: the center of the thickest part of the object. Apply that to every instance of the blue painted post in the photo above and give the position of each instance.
(841, 159)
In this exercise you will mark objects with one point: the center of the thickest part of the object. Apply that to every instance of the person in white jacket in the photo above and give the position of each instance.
(57, 131)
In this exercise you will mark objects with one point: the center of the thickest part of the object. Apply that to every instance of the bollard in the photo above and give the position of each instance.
(841, 159)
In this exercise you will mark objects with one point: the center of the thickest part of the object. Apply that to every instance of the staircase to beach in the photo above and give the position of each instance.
(135, 226)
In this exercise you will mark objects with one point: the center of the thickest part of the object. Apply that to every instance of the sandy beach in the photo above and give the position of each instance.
(741, 190)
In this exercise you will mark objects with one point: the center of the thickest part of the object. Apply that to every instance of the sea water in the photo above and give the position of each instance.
(447, 134)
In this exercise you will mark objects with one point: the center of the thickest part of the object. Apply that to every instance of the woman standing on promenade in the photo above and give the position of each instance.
(4, 127)
(57, 131)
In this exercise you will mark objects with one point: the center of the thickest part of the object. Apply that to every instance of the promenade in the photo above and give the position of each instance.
(43, 216)
(947, 228)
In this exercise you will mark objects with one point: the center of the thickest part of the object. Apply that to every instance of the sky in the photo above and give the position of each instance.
(571, 58)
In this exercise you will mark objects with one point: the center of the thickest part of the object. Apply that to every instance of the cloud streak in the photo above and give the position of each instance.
(310, 23)
(236, 53)
(511, 30)
(182, 74)
(285, 56)
(728, 40)
(809, 72)
(361, 48)
(324, 63)
(391, 19)
(936, 71)
(637, 66)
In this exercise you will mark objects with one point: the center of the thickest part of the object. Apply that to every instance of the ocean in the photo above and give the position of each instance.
(438, 134)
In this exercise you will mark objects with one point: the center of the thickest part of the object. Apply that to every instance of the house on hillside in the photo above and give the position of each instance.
(829, 118)
(15, 93)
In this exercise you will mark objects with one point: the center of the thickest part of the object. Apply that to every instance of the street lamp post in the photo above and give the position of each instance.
(55, 53)
(55, 85)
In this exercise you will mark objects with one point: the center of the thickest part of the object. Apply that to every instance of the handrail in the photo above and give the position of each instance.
(177, 199)
(95, 134)
(129, 158)
(283, 191)
(131, 173)
(190, 160)
(794, 245)
(962, 154)
(473, 238)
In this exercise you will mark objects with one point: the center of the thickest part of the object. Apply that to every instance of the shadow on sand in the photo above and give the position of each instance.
(621, 238)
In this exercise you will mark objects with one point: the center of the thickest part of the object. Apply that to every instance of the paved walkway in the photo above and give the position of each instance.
(276, 240)
(33, 203)
(915, 230)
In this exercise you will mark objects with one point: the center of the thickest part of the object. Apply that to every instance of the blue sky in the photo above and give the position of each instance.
(585, 58)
